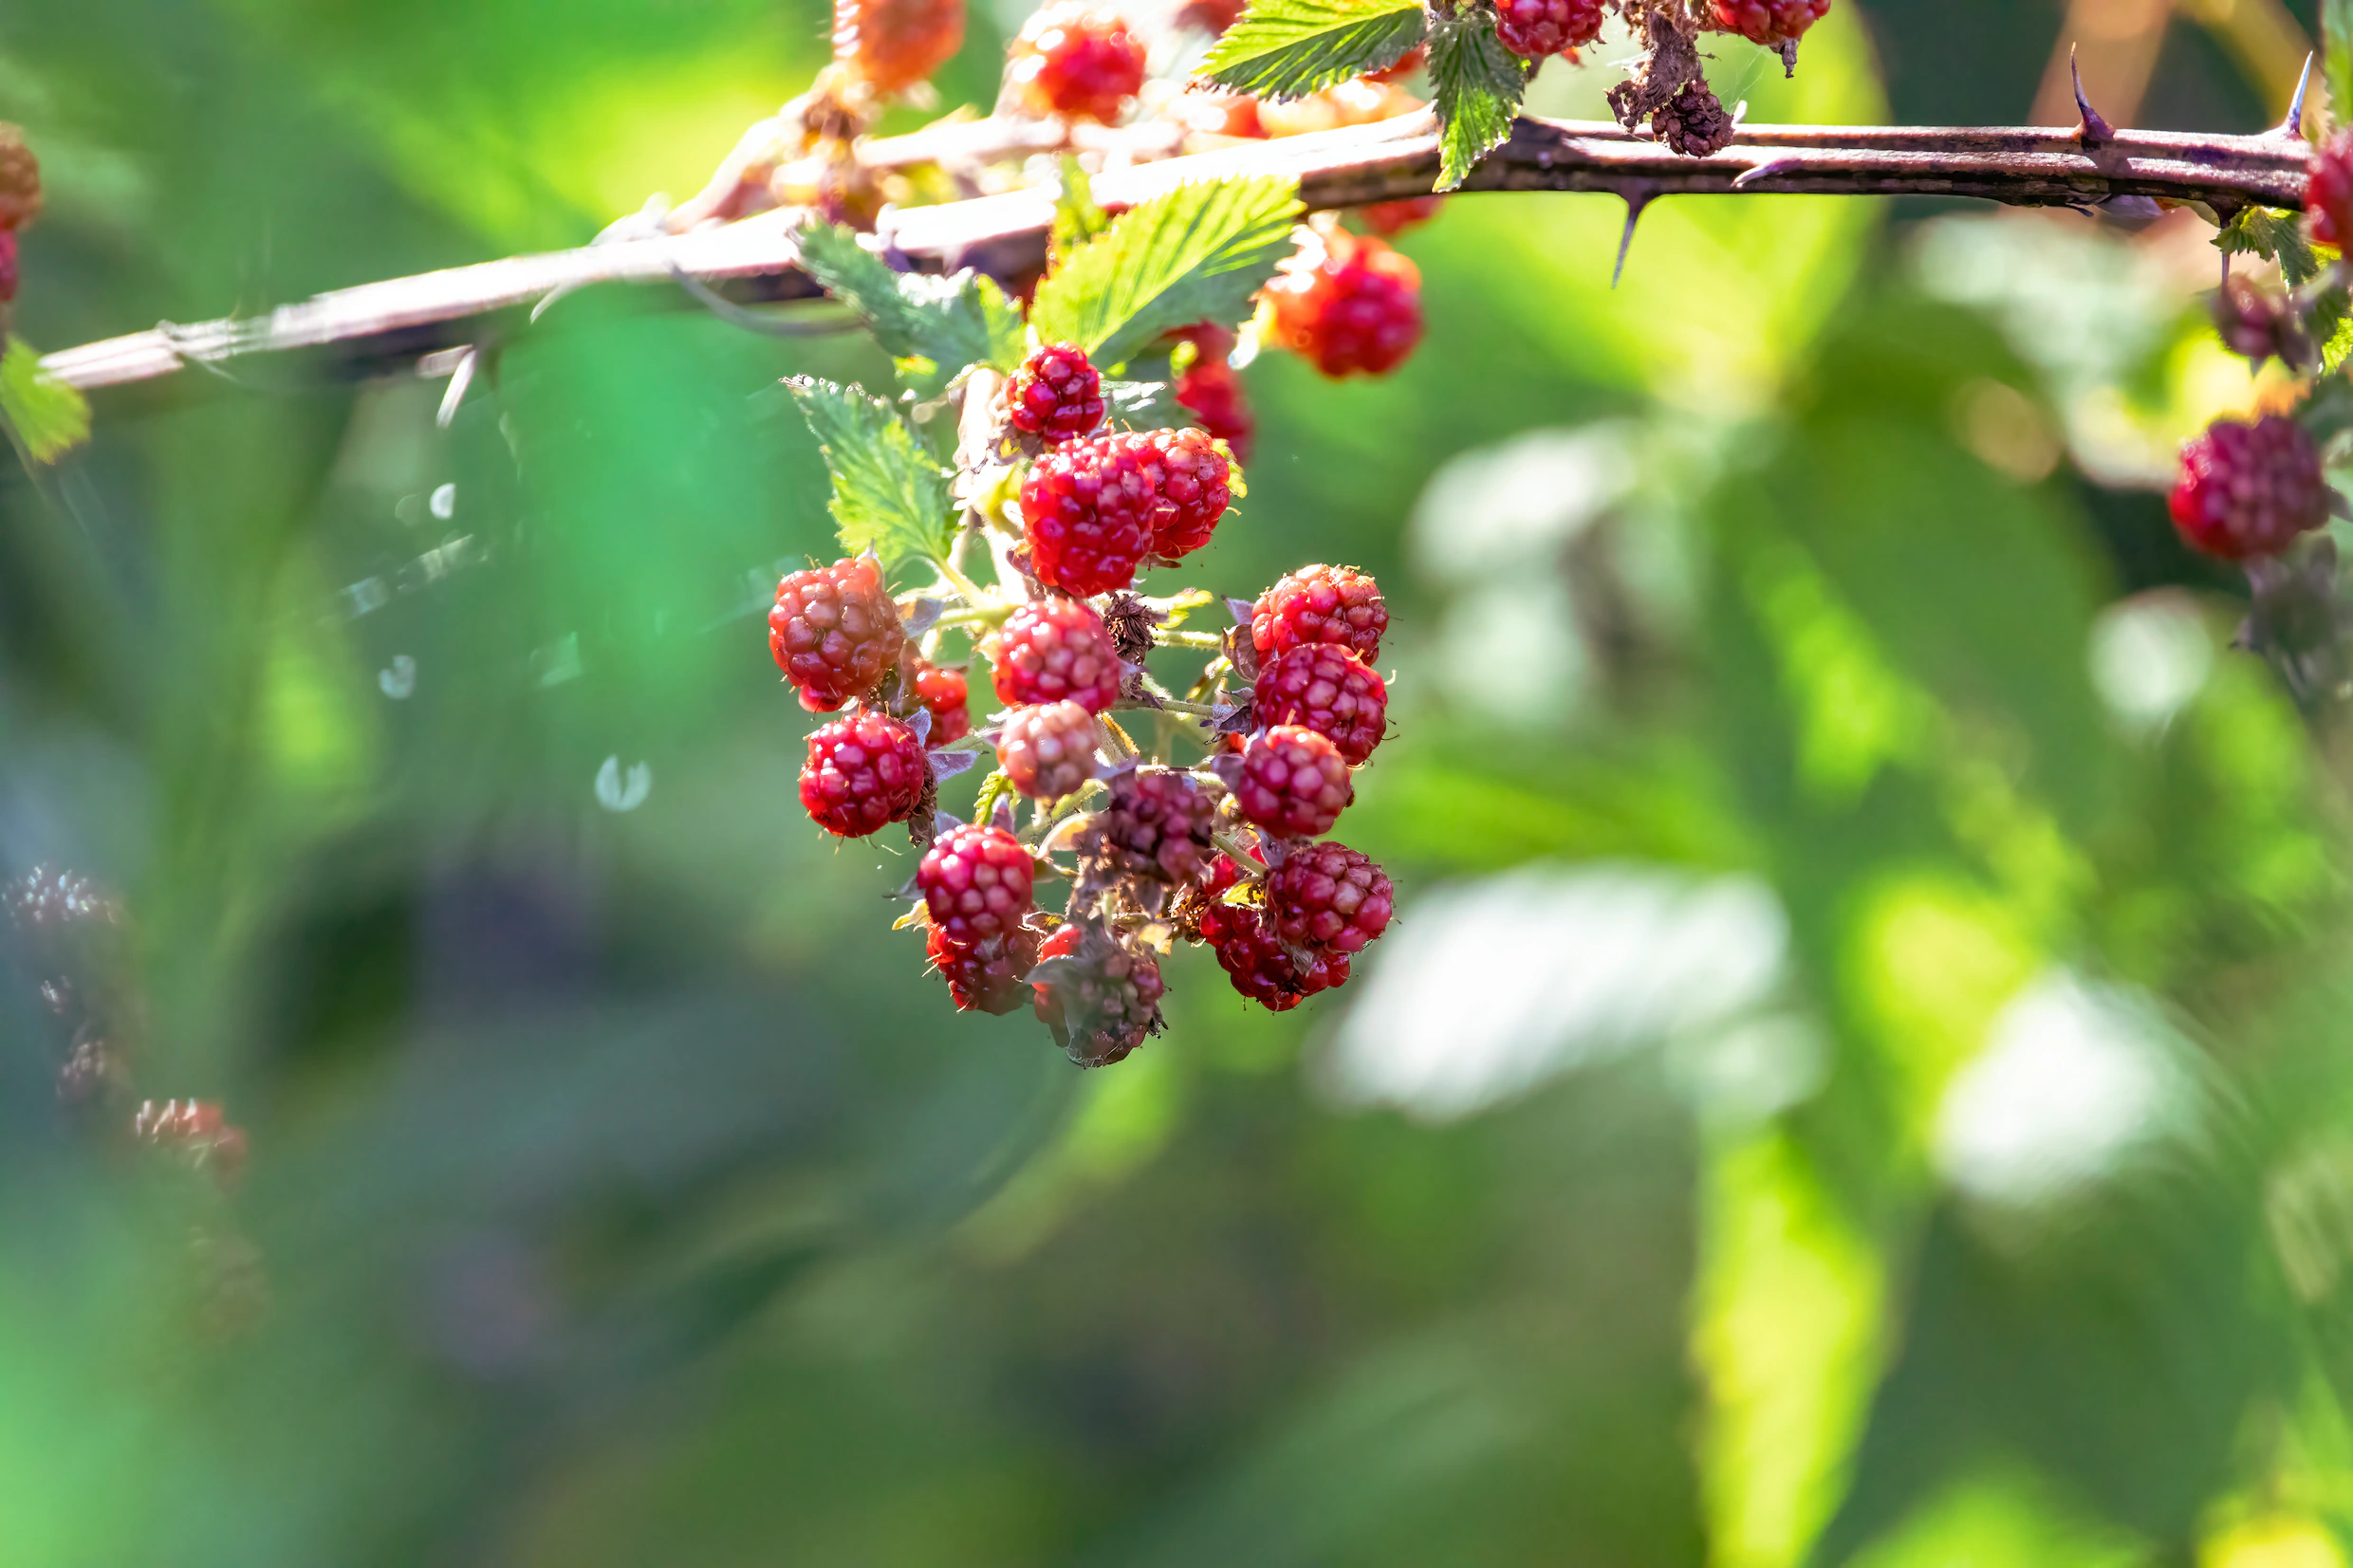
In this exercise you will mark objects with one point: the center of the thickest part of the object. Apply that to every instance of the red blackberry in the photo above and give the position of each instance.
(1048, 751)
(1055, 650)
(1391, 218)
(1073, 61)
(1099, 998)
(1294, 782)
(192, 1128)
(946, 693)
(20, 179)
(1089, 508)
(1771, 23)
(1195, 482)
(1327, 690)
(1212, 391)
(1157, 825)
(2249, 490)
(1350, 305)
(2329, 194)
(892, 45)
(1210, 16)
(991, 975)
(1253, 956)
(976, 880)
(1328, 897)
(865, 770)
(8, 266)
(1055, 395)
(1534, 29)
(1338, 606)
(834, 631)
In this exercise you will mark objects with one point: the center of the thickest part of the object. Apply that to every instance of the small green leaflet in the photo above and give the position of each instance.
(2337, 58)
(2274, 237)
(889, 495)
(1077, 220)
(1289, 48)
(51, 418)
(933, 327)
(2326, 413)
(1479, 86)
(1196, 254)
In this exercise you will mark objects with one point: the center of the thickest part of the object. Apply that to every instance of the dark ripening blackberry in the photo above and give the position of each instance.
(1349, 306)
(1055, 650)
(976, 880)
(1156, 826)
(1328, 690)
(991, 975)
(1088, 509)
(2249, 490)
(1099, 998)
(864, 771)
(1293, 783)
(1047, 751)
(834, 631)
(1076, 62)
(1536, 30)
(1336, 605)
(1056, 394)
(1253, 957)
(1328, 897)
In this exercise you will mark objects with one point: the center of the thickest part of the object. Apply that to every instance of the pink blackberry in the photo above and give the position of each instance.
(2249, 490)
(834, 631)
(1211, 391)
(945, 694)
(1055, 650)
(20, 181)
(2329, 192)
(865, 770)
(1194, 481)
(1099, 998)
(976, 880)
(1338, 606)
(1088, 507)
(1535, 30)
(1327, 690)
(1074, 60)
(8, 266)
(1328, 897)
(1294, 782)
(1048, 751)
(1771, 23)
(1156, 826)
(1350, 305)
(1253, 956)
(1055, 395)
(991, 975)
(892, 45)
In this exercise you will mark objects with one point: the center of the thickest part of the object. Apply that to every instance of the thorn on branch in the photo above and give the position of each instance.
(2294, 124)
(1635, 201)
(1765, 170)
(2092, 129)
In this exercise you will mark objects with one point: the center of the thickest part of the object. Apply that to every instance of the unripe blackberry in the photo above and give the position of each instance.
(1294, 782)
(1088, 507)
(1535, 30)
(976, 880)
(1211, 390)
(1693, 122)
(1157, 825)
(2260, 325)
(2249, 490)
(1327, 690)
(1048, 751)
(1055, 650)
(834, 631)
(1328, 897)
(1056, 394)
(1099, 999)
(945, 694)
(1196, 483)
(1771, 23)
(864, 771)
(20, 179)
(2329, 192)
(989, 976)
(1349, 306)
(1254, 957)
(1338, 606)
(1073, 61)
(892, 45)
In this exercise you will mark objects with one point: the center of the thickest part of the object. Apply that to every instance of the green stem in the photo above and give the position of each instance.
(1170, 705)
(975, 595)
(1208, 642)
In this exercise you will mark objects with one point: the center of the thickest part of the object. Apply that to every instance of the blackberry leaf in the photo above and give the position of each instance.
(1289, 48)
(1479, 84)
(2274, 237)
(933, 327)
(1077, 220)
(1198, 254)
(49, 417)
(889, 495)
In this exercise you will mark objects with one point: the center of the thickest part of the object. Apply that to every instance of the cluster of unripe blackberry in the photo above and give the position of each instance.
(1204, 830)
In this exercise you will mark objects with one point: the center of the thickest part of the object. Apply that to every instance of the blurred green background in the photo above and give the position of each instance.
(1860, 1071)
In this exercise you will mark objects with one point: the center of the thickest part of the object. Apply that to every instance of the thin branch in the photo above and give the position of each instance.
(385, 326)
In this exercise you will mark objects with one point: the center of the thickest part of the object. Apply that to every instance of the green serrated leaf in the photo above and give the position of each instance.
(2326, 412)
(1479, 84)
(889, 495)
(2274, 235)
(1289, 48)
(933, 328)
(2337, 57)
(51, 418)
(1076, 218)
(1196, 254)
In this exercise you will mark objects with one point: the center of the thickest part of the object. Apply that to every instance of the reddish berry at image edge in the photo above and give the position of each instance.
(1535, 30)
(2329, 192)
(1771, 23)
(892, 45)
(2248, 491)
(864, 771)
(834, 631)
